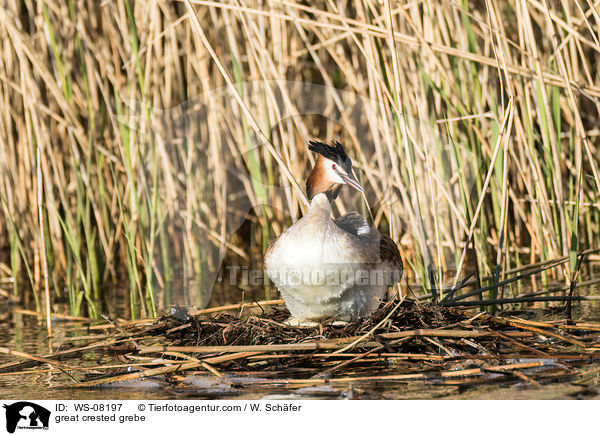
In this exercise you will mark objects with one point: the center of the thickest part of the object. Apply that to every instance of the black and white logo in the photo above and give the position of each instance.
(26, 415)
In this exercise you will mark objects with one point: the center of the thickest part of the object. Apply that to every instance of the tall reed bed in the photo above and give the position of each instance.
(146, 143)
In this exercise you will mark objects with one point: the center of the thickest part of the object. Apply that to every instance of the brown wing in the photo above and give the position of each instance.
(388, 251)
(351, 223)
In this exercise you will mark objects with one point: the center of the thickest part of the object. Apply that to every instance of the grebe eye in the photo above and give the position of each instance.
(333, 167)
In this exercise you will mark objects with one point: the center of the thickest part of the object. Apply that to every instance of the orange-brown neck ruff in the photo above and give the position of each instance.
(317, 182)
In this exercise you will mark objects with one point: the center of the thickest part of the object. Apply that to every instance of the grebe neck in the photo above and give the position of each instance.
(320, 203)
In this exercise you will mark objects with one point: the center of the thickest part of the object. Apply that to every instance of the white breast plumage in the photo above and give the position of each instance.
(315, 265)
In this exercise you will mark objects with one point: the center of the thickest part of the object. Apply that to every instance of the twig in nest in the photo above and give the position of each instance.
(370, 332)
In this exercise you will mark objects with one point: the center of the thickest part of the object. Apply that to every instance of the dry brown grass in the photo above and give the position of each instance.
(139, 134)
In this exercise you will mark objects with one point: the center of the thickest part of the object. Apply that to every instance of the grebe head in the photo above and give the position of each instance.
(332, 170)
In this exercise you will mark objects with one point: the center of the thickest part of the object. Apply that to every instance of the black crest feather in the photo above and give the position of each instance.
(334, 152)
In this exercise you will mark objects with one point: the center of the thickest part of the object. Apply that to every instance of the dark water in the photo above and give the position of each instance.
(24, 333)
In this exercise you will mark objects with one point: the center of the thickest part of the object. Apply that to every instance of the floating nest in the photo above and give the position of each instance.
(403, 342)
(269, 328)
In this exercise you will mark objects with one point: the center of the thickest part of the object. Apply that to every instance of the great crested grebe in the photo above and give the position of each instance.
(331, 269)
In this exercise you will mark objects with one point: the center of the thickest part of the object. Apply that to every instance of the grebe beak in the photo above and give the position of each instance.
(351, 180)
